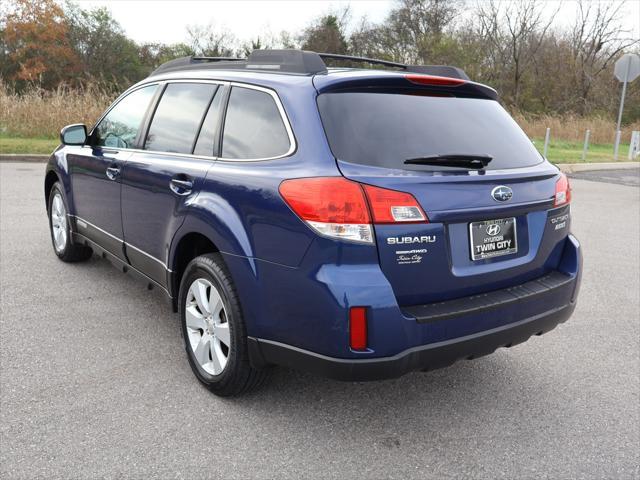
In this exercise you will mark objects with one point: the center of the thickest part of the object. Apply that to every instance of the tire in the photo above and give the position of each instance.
(60, 230)
(213, 329)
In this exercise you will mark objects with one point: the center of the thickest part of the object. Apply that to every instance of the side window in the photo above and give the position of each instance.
(178, 116)
(253, 126)
(120, 126)
(209, 130)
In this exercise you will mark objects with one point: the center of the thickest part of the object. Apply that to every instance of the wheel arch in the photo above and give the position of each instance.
(49, 181)
(188, 246)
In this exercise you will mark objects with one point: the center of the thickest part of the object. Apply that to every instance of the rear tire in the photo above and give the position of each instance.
(213, 329)
(63, 245)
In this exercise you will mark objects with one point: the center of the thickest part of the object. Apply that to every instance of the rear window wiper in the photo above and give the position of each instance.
(463, 160)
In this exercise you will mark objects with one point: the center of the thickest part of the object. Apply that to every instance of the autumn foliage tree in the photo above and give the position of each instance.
(36, 42)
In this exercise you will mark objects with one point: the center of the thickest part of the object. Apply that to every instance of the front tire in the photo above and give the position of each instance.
(63, 245)
(213, 329)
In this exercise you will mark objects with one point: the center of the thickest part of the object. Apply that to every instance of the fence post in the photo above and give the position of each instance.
(634, 145)
(546, 141)
(616, 145)
(586, 145)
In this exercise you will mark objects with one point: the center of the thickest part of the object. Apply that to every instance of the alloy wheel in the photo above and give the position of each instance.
(59, 223)
(207, 327)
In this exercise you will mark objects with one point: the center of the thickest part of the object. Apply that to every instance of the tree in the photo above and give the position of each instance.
(327, 34)
(251, 45)
(102, 47)
(414, 32)
(515, 32)
(210, 41)
(152, 55)
(597, 39)
(37, 44)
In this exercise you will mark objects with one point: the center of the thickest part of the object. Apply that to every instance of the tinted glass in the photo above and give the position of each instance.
(385, 129)
(253, 126)
(120, 127)
(209, 130)
(177, 119)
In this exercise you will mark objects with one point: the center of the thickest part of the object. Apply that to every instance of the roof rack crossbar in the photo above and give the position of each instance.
(373, 61)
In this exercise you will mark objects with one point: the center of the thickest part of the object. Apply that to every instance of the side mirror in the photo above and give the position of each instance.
(75, 134)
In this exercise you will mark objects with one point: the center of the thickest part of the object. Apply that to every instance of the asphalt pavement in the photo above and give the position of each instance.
(94, 381)
(629, 177)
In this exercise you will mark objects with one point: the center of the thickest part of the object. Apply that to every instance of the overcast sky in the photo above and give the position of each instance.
(166, 21)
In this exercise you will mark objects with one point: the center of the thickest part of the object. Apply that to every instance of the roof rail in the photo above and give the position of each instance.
(218, 59)
(373, 61)
(185, 63)
(297, 62)
(440, 70)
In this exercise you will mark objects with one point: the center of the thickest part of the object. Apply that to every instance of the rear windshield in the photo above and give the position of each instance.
(385, 129)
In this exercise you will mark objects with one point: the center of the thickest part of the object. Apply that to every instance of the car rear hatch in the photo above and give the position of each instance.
(486, 228)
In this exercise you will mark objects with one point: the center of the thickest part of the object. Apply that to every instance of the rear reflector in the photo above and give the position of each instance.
(358, 328)
(391, 206)
(563, 191)
(435, 80)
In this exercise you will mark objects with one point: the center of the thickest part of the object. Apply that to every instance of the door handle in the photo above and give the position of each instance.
(180, 186)
(113, 173)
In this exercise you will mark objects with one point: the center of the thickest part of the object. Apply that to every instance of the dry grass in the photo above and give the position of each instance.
(571, 128)
(41, 113)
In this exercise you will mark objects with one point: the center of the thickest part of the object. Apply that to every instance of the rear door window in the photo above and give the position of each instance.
(385, 129)
(120, 126)
(178, 117)
(253, 127)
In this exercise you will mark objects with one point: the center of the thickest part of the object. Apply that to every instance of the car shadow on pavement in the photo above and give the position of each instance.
(509, 384)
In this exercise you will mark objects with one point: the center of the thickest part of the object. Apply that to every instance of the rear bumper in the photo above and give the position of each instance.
(532, 291)
(314, 338)
(510, 316)
(426, 357)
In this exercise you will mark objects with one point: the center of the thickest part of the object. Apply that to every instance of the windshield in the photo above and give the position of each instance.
(385, 129)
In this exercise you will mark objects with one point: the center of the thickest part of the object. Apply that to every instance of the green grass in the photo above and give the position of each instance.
(27, 145)
(570, 152)
(559, 151)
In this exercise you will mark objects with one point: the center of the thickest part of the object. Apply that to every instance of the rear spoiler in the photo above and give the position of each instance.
(410, 83)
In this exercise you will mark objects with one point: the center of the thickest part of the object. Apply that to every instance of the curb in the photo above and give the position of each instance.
(23, 157)
(592, 167)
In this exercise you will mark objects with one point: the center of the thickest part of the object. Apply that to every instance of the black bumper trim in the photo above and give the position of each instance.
(532, 290)
(426, 357)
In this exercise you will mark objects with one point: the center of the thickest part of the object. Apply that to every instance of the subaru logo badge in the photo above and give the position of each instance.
(502, 193)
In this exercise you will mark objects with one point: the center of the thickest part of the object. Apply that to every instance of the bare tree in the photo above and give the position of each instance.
(516, 31)
(210, 40)
(414, 29)
(597, 39)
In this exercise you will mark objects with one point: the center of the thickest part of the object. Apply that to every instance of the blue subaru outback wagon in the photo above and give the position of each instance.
(351, 222)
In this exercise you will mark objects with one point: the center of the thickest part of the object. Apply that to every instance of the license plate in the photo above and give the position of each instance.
(493, 238)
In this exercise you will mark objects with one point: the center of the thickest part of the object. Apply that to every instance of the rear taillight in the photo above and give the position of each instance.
(391, 206)
(339, 208)
(563, 191)
(333, 206)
